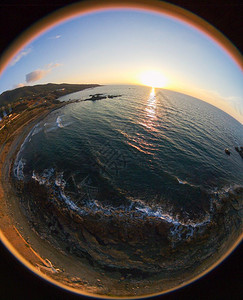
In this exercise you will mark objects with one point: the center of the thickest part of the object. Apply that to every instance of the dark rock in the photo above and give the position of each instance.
(96, 97)
(239, 150)
(100, 97)
(226, 150)
(113, 96)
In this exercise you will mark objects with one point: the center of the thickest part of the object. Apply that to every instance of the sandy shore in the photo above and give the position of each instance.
(11, 217)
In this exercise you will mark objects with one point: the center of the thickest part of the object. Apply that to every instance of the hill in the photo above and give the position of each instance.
(41, 90)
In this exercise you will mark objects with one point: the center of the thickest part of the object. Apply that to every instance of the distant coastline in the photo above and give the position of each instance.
(50, 90)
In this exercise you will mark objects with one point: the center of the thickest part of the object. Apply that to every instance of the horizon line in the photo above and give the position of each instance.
(132, 84)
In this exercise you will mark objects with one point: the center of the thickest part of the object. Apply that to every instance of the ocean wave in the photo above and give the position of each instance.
(69, 202)
(138, 210)
(59, 122)
(181, 181)
(36, 130)
(59, 181)
(67, 124)
(44, 178)
(19, 163)
(18, 169)
(139, 148)
(49, 129)
(224, 192)
(135, 209)
(85, 203)
(184, 182)
(50, 126)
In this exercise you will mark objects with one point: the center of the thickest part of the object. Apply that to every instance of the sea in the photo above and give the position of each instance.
(155, 152)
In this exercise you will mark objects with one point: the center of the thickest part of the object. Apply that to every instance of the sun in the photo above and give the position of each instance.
(153, 79)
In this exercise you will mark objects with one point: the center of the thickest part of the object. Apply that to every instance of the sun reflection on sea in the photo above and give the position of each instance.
(151, 106)
(150, 111)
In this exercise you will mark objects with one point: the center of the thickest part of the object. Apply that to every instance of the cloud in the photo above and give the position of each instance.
(40, 73)
(35, 75)
(52, 66)
(55, 37)
(210, 94)
(213, 95)
(19, 56)
(231, 104)
(19, 85)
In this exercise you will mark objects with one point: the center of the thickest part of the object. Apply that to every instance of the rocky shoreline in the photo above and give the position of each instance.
(141, 247)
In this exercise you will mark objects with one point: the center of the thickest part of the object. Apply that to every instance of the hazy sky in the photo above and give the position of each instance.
(117, 47)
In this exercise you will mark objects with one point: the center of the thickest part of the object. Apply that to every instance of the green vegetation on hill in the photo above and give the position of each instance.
(41, 90)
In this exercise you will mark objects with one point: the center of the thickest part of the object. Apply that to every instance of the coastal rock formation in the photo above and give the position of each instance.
(239, 150)
(128, 241)
(100, 97)
(227, 151)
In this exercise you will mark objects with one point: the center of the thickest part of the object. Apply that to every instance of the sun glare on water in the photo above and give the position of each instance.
(152, 94)
(154, 79)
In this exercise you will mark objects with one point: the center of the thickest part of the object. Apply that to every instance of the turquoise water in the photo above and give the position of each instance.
(159, 154)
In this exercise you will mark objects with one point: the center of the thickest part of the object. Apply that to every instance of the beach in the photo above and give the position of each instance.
(10, 209)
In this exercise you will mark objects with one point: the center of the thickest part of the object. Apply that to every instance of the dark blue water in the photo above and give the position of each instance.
(161, 154)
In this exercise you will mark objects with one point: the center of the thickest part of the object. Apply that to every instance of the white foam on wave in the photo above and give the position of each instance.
(59, 181)
(180, 181)
(59, 122)
(180, 229)
(36, 130)
(44, 178)
(69, 202)
(19, 169)
(51, 178)
(178, 226)
(220, 193)
(157, 211)
(96, 206)
(68, 124)
(48, 127)
(19, 163)
(51, 129)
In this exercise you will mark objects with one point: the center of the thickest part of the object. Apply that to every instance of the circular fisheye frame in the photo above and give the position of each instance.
(121, 148)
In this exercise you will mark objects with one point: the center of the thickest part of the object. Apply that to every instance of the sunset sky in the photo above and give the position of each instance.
(131, 47)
